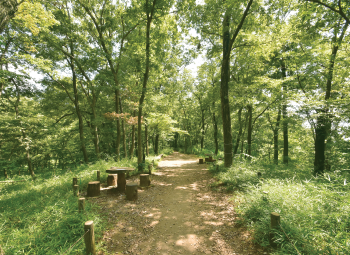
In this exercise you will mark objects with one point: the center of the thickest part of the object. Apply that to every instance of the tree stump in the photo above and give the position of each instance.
(144, 180)
(131, 191)
(201, 161)
(112, 180)
(93, 189)
(121, 182)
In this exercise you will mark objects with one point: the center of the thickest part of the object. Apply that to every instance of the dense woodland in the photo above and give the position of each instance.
(87, 80)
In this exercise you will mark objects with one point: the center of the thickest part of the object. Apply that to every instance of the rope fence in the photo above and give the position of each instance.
(66, 252)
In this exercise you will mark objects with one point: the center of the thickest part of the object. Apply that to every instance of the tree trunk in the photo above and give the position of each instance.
(202, 137)
(285, 117)
(323, 122)
(215, 124)
(275, 137)
(149, 14)
(156, 144)
(250, 130)
(240, 130)
(132, 139)
(224, 96)
(146, 138)
(77, 109)
(123, 129)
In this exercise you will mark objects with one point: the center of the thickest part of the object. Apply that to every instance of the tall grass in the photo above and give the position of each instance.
(41, 216)
(314, 211)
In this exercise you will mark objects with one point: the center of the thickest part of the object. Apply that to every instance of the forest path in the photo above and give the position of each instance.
(178, 215)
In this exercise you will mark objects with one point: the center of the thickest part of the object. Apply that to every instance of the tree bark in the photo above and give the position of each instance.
(250, 130)
(323, 121)
(202, 130)
(132, 147)
(124, 132)
(149, 14)
(215, 124)
(285, 116)
(146, 138)
(227, 43)
(275, 138)
(240, 130)
(77, 109)
(156, 145)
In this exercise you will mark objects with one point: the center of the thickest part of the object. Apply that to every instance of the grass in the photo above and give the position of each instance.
(41, 216)
(314, 211)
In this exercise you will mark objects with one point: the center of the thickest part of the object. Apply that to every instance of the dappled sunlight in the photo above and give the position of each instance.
(178, 215)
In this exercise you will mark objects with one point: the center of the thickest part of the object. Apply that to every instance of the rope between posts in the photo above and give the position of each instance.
(75, 243)
(290, 240)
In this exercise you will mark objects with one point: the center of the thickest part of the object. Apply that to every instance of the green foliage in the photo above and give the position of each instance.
(314, 211)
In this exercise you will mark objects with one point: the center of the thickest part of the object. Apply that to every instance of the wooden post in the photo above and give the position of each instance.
(75, 181)
(275, 221)
(144, 180)
(131, 191)
(259, 175)
(201, 161)
(76, 190)
(149, 169)
(93, 189)
(5, 173)
(98, 175)
(112, 180)
(81, 204)
(89, 238)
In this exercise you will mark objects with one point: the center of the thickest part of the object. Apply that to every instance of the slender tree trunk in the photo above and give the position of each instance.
(215, 124)
(285, 116)
(224, 96)
(240, 130)
(202, 137)
(123, 129)
(95, 133)
(275, 137)
(156, 145)
(149, 14)
(80, 118)
(250, 130)
(323, 121)
(132, 139)
(146, 138)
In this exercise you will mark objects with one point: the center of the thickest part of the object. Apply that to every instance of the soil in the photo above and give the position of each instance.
(177, 214)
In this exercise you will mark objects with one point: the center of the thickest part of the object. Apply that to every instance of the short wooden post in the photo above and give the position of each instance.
(98, 175)
(75, 181)
(149, 169)
(112, 180)
(144, 180)
(5, 173)
(81, 204)
(259, 175)
(201, 161)
(89, 238)
(131, 191)
(275, 222)
(93, 189)
(76, 190)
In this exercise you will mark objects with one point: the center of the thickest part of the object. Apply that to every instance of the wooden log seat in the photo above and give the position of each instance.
(112, 180)
(93, 189)
(144, 180)
(131, 191)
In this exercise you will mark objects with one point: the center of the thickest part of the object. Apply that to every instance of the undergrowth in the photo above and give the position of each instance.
(41, 216)
(314, 211)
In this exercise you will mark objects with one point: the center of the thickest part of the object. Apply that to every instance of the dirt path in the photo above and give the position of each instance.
(178, 215)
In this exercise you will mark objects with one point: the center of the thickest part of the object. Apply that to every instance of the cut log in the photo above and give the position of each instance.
(93, 189)
(121, 182)
(112, 180)
(201, 161)
(131, 191)
(144, 180)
